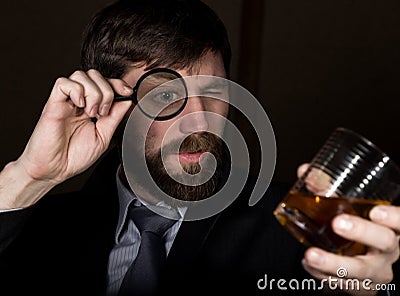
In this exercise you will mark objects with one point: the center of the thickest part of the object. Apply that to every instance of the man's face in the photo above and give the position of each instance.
(192, 129)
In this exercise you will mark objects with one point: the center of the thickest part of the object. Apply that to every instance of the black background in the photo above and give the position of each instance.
(314, 65)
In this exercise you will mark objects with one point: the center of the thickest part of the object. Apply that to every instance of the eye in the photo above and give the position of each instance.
(165, 97)
(168, 96)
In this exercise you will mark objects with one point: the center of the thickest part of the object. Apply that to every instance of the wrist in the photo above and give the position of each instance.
(18, 189)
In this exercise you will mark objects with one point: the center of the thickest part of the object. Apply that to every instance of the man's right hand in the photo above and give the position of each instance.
(66, 140)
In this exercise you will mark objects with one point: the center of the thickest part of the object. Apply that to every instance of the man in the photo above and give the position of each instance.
(85, 243)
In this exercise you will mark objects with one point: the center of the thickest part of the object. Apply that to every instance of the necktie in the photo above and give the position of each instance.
(143, 275)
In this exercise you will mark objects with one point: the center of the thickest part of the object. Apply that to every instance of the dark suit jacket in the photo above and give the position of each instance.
(65, 241)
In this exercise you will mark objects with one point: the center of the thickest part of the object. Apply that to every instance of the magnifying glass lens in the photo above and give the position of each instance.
(162, 95)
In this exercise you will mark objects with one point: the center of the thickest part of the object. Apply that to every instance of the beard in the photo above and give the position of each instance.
(204, 142)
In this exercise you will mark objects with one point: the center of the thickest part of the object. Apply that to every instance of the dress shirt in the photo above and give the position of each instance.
(127, 239)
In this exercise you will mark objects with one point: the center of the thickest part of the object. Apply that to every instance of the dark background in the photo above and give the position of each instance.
(313, 64)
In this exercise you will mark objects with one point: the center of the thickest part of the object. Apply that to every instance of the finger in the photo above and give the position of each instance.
(331, 281)
(386, 215)
(372, 265)
(92, 93)
(106, 125)
(366, 232)
(318, 182)
(334, 282)
(324, 263)
(106, 91)
(120, 86)
(64, 97)
(313, 271)
(302, 169)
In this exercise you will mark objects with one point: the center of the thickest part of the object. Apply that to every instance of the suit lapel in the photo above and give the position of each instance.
(100, 193)
(188, 243)
(192, 236)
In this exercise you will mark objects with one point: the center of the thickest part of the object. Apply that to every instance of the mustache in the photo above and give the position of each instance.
(194, 143)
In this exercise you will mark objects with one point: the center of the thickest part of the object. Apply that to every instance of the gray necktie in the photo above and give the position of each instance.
(142, 277)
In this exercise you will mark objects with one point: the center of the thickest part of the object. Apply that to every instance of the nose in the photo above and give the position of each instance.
(194, 119)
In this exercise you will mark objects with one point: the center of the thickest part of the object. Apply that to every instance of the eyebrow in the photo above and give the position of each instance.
(214, 84)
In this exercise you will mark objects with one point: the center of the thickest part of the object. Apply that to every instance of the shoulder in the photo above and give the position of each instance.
(257, 216)
(273, 193)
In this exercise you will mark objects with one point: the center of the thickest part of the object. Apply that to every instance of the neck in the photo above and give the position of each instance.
(140, 191)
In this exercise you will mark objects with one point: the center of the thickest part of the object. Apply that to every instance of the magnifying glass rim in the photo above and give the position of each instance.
(151, 72)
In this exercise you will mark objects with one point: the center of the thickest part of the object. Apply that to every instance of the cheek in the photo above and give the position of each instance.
(218, 107)
(151, 142)
(221, 108)
(155, 136)
(224, 109)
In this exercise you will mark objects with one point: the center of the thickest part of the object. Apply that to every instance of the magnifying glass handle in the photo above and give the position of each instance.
(118, 98)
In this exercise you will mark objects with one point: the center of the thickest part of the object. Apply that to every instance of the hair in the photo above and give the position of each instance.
(152, 33)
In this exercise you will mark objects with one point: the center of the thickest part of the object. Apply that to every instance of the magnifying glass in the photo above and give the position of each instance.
(160, 93)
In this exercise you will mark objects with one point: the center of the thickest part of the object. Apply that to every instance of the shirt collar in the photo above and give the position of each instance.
(126, 197)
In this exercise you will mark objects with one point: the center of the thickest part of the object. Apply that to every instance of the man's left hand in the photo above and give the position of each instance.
(381, 235)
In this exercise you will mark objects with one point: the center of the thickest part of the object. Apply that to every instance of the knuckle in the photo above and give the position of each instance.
(389, 242)
(96, 96)
(70, 84)
(77, 87)
(60, 81)
(108, 95)
(77, 73)
(396, 253)
(384, 275)
(387, 276)
(93, 72)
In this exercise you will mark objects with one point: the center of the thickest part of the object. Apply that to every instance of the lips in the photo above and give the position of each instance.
(190, 157)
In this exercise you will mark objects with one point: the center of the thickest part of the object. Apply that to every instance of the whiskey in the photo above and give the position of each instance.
(308, 218)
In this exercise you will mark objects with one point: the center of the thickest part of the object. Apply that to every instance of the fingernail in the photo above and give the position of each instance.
(315, 258)
(81, 102)
(304, 262)
(343, 223)
(378, 213)
(127, 89)
(94, 111)
(104, 109)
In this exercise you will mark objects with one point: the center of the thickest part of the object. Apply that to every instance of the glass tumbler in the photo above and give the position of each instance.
(349, 175)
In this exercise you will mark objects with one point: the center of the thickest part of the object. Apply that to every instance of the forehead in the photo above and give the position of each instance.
(210, 64)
